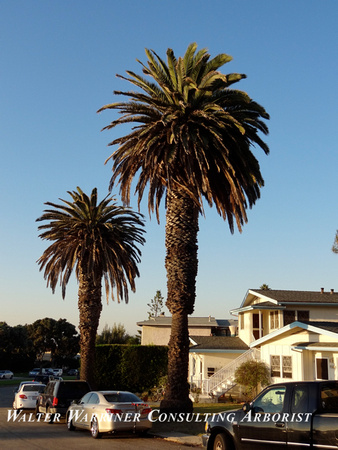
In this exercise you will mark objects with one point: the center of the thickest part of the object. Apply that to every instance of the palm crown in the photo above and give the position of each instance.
(192, 132)
(99, 238)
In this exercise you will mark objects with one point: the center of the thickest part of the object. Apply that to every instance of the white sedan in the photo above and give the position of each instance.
(26, 395)
(6, 374)
(109, 412)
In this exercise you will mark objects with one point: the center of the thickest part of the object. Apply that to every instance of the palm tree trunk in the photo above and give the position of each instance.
(90, 307)
(181, 265)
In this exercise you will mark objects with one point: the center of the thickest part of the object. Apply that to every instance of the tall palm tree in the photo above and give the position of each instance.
(192, 141)
(98, 240)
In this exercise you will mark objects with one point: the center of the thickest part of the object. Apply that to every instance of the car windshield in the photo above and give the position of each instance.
(122, 397)
(33, 387)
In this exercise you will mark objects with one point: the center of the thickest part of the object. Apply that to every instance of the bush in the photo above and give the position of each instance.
(251, 375)
(135, 368)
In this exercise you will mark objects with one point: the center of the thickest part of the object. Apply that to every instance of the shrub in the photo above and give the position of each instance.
(252, 375)
(135, 368)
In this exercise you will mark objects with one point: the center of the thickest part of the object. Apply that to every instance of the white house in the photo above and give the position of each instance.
(294, 332)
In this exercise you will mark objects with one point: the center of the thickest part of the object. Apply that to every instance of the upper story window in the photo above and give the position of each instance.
(291, 316)
(274, 320)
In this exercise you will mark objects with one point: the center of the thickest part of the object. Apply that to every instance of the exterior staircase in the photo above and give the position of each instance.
(223, 380)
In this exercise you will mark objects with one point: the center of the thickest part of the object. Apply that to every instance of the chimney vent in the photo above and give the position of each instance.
(322, 290)
(332, 291)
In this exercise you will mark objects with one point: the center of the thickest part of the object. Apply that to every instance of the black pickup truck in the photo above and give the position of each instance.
(293, 415)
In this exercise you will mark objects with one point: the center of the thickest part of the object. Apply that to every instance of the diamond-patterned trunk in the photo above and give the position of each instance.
(181, 265)
(90, 306)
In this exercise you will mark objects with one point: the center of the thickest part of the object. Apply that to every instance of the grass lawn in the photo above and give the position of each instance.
(194, 425)
(24, 377)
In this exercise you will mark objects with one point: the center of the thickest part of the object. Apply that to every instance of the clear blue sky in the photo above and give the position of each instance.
(58, 65)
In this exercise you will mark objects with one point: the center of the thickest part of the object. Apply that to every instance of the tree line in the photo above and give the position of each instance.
(23, 346)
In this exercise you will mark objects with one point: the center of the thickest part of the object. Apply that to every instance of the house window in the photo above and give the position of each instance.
(289, 317)
(287, 366)
(211, 371)
(281, 362)
(303, 316)
(274, 320)
(241, 320)
(275, 366)
(256, 330)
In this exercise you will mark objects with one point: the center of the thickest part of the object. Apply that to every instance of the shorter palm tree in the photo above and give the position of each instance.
(98, 240)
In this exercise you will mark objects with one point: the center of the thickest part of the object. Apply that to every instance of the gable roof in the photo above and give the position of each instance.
(325, 328)
(215, 343)
(282, 298)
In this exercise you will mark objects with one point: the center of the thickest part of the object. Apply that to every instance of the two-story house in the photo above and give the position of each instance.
(294, 332)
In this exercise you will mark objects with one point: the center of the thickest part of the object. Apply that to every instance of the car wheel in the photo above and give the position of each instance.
(220, 442)
(70, 425)
(94, 428)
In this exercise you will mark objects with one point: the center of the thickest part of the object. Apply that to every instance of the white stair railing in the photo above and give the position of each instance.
(227, 373)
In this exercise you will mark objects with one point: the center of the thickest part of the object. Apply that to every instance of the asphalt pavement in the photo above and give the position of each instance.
(6, 399)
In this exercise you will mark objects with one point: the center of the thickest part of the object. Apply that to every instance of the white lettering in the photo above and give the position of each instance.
(150, 415)
(285, 417)
(247, 417)
(231, 417)
(127, 417)
(14, 413)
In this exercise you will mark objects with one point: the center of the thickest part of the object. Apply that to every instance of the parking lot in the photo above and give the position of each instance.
(27, 433)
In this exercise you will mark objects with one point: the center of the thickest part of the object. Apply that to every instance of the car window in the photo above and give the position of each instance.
(33, 388)
(122, 397)
(329, 398)
(94, 399)
(271, 400)
(85, 398)
(73, 389)
(300, 399)
(50, 388)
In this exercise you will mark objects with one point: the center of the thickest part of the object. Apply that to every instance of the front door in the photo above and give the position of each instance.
(322, 369)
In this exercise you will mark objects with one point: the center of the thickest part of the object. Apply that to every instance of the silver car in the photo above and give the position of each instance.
(109, 412)
(6, 374)
(26, 395)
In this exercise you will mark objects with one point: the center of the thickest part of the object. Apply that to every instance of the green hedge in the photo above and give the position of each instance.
(135, 368)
